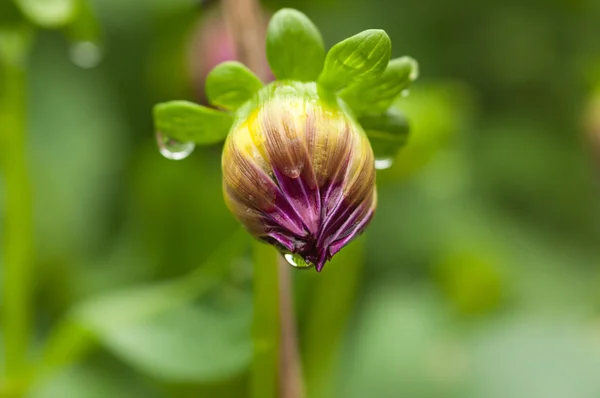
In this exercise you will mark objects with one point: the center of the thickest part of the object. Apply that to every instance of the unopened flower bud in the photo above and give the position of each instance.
(298, 171)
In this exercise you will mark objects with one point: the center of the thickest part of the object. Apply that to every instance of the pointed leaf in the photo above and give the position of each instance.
(231, 84)
(362, 56)
(48, 13)
(387, 133)
(376, 95)
(295, 47)
(186, 121)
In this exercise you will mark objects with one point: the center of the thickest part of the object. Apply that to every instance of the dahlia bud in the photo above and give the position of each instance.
(298, 166)
(299, 172)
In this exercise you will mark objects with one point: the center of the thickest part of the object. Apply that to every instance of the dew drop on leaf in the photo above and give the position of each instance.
(173, 149)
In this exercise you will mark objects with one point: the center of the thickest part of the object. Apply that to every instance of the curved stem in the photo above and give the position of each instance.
(17, 232)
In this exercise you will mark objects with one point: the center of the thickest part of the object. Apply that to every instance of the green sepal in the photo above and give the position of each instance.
(387, 132)
(48, 13)
(231, 84)
(188, 122)
(295, 47)
(360, 57)
(377, 94)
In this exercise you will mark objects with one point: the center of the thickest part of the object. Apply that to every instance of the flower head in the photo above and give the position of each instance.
(298, 162)
(299, 172)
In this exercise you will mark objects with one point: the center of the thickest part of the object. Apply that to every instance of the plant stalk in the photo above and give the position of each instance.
(266, 325)
(276, 369)
(17, 234)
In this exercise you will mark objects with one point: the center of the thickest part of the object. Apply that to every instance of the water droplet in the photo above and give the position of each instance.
(405, 93)
(383, 163)
(173, 149)
(85, 54)
(296, 261)
(293, 172)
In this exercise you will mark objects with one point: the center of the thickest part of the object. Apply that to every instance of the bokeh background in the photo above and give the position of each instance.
(481, 268)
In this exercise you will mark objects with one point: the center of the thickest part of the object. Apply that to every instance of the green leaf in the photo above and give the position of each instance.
(231, 84)
(295, 47)
(362, 56)
(186, 121)
(191, 343)
(387, 133)
(95, 379)
(48, 13)
(376, 95)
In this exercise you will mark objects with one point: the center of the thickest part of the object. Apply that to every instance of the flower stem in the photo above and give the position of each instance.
(17, 232)
(331, 305)
(266, 322)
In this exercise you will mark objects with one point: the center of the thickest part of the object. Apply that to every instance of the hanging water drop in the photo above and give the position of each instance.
(405, 93)
(296, 261)
(383, 163)
(173, 149)
(85, 54)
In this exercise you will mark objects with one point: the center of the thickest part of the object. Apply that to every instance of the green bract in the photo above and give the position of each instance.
(376, 95)
(186, 121)
(295, 48)
(387, 132)
(231, 84)
(356, 71)
(362, 56)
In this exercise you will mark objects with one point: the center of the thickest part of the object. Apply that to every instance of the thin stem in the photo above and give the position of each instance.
(331, 305)
(266, 322)
(244, 20)
(18, 234)
(291, 385)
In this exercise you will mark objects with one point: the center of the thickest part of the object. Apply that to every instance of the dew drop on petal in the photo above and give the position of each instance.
(383, 163)
(85, 54)
(296, 261)
(173, 149)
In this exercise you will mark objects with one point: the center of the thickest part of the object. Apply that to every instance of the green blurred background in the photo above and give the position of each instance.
(480, 276)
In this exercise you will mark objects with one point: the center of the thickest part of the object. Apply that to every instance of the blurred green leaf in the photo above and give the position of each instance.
(376, 95)
(49, 13)
(186, 121)
(15, 42)
(188, 343)
(360, 57)
(93, 381)
(399, 343)
(115, 310)
(295, 47)
(534, 358)
(230, 84)
(387, 133)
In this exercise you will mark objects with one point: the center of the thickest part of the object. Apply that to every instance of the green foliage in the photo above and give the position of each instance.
(231, 84)
(189, 343)
(360, 57)
(186, 121)
(49, 13)
(294, 46)
(387, 132)
(376, 95)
